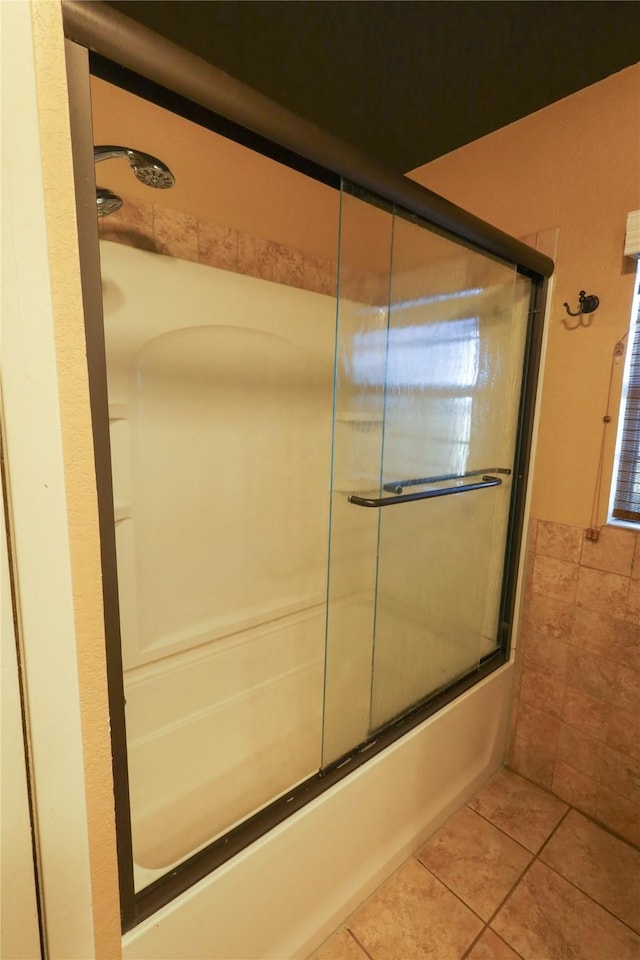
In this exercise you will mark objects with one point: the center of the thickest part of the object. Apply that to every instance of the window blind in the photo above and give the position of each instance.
(626, 502)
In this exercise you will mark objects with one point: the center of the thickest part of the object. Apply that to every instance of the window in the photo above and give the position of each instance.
(625, 499)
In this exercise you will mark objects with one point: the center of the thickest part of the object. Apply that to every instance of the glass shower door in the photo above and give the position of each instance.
(431, 344)
(455, 345)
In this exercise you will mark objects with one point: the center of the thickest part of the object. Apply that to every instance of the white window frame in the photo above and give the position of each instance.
(633, 331)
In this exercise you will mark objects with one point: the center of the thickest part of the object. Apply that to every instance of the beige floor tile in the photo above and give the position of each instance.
(414, 917)
(341, 946)
(601, 865)
(475, 860)
(519, 808)
(547, 917)
(491, 947)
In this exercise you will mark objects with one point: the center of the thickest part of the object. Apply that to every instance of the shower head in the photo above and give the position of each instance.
(107, 202)
(148, 169)
(152, 172)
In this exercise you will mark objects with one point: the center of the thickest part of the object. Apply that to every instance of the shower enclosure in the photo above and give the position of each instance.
(312, 419)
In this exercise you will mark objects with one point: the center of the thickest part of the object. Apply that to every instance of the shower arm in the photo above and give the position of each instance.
(110, 152)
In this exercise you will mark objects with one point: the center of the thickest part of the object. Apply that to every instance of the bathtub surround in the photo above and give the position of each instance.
(218, 666)
(183, 387)
(577, 703)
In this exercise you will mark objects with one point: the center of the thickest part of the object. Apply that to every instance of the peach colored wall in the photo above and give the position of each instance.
(216, 179)
(574, 165)
(80, 484)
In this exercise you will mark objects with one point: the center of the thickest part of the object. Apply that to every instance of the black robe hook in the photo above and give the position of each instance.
(586, 305)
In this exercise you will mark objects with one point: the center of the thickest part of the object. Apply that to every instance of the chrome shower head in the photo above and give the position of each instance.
(150, 170)
(107, 202)
(146, 168)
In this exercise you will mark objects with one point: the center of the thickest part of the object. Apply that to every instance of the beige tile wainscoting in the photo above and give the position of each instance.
(577, 704)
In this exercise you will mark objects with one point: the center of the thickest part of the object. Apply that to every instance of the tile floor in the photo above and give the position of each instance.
(516, 873)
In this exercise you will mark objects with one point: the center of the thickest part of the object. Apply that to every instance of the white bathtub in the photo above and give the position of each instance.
(283, 895)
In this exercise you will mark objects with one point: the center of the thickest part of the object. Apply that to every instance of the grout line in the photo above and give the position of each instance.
(603, 826)
(558, 873)
(509, 945)
(473, 943)
(503, 832)
(486, 927)
(361, 945)
(589, 897)
(555, 829)
(452, 892)
(515, 884)
(536, 856)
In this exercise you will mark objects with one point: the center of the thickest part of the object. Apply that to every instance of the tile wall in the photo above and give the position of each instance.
(576, 727)
(175, 234)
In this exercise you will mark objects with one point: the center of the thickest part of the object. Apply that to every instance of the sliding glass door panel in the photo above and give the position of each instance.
(430, 350)
(452, 391)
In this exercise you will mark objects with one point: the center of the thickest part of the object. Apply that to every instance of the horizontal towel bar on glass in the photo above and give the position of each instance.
(487, 481)
(396, 486)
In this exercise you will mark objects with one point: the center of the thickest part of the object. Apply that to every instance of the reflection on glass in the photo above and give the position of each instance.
(441, 355)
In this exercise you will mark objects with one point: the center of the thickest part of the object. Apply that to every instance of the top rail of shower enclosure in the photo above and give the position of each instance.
(100, 28)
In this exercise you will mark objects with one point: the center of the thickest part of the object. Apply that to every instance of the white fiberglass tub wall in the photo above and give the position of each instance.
(220, 396)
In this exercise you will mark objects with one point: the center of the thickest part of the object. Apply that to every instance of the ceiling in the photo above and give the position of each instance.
(406, 81)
